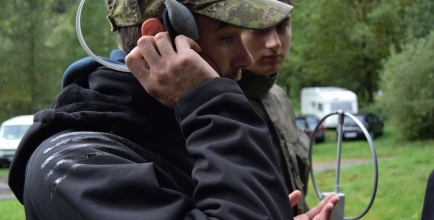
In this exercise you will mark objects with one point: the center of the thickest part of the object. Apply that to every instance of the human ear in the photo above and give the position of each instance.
(152, 26)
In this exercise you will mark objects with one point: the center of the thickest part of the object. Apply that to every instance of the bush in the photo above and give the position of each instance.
(407, 84)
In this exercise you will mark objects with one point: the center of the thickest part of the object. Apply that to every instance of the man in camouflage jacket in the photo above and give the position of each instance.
(269, 48)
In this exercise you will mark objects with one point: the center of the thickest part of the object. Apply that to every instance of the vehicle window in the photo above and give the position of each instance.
(368, 119)
(344, 106)
(301, 123)
(349, 121)
(311, 119)
(14, 131)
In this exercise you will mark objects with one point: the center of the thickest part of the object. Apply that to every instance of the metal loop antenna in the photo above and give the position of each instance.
(341, 115)
(106, 62)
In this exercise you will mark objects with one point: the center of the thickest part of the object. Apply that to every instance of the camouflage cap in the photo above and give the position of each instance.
(251, 14)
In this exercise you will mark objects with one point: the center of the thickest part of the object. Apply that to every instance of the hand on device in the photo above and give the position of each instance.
(322, 211)
(167, 74)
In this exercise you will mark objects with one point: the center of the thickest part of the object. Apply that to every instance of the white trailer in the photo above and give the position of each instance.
(320, 101)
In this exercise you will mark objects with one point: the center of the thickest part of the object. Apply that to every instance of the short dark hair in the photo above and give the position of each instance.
(128, 37)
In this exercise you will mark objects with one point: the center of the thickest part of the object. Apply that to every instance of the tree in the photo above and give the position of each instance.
(342, 43)
(38, 43)
(406, 82)
(15, 97)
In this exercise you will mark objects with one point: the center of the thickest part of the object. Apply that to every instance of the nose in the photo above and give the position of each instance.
(242, 58)
(273, 41)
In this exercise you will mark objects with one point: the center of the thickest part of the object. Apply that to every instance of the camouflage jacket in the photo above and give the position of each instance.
(275, 107)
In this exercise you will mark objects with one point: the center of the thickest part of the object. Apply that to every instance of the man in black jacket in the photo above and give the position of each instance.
(188, 146)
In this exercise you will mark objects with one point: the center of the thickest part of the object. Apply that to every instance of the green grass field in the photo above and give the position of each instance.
(403, 172)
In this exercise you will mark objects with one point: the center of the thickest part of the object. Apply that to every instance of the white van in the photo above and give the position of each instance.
(321, 101)
(11, 132)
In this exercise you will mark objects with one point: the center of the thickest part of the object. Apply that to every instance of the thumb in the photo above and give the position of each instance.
(294, 197)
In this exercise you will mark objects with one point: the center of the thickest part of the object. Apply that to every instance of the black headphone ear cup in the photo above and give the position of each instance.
(178, 19)
(168, 25)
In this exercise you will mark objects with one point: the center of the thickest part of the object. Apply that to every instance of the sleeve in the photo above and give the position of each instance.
(89, 175)
(301, 144)
(237, 172)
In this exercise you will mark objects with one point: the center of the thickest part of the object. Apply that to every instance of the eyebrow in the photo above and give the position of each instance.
(221, 26)
(287, 18)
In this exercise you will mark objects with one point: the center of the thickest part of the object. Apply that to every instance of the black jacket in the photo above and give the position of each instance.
(108, 150)
(427, 210)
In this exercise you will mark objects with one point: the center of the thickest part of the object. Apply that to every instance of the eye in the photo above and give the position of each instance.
(227, 39)
(282, 25)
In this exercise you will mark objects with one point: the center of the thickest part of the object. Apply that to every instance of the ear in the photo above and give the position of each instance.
(152, 26)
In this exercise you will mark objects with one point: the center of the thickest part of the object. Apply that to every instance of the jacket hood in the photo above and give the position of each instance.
(96, 98)
(78, 72)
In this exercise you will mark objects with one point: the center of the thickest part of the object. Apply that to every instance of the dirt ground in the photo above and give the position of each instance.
(6, 193)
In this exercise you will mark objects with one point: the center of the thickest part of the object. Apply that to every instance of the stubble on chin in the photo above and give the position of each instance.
(235, 76)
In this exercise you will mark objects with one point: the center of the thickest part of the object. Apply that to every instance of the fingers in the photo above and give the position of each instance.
(167, 74)
(160, 45)
(184, 43)
(164, 44)
(136, 63)
(148, 49)
(330, 199)
(294, 197)
(326, 212)
(334, 200)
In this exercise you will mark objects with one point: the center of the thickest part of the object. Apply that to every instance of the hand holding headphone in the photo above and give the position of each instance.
(178, 19)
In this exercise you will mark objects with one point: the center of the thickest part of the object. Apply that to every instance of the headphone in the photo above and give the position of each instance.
(177, 19)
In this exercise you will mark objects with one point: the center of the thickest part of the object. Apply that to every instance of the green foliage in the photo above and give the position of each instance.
(407, 80)
(420, 18)
(38, 43)
(342, 43)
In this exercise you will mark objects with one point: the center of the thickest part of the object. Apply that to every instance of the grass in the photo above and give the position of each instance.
(403, 173)
(4, 171)
(10, 209)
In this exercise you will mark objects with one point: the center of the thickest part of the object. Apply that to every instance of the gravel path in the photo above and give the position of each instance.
(5, 191)
(344, 163)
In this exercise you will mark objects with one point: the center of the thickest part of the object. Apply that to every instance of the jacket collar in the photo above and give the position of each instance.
(254, 85)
